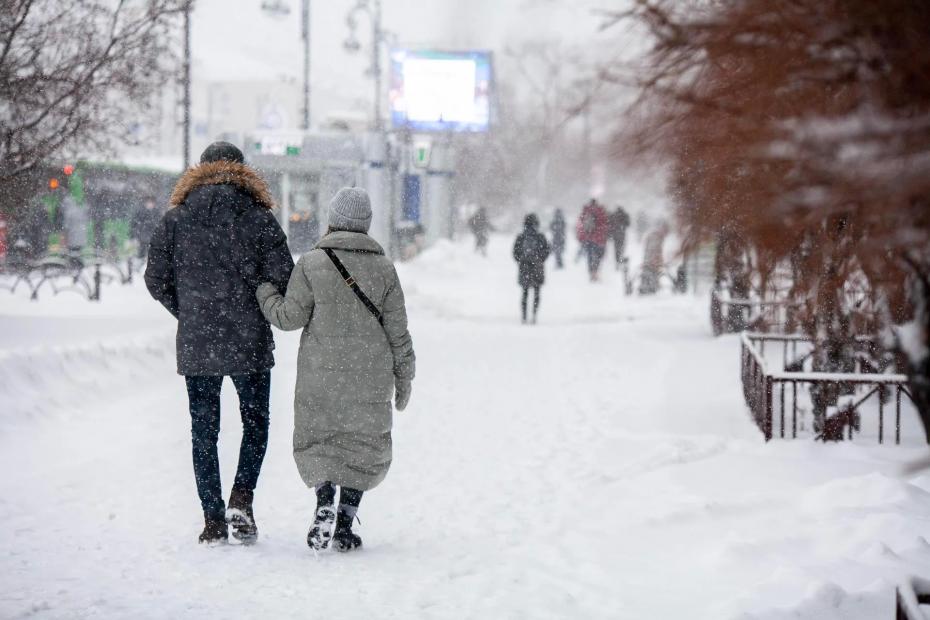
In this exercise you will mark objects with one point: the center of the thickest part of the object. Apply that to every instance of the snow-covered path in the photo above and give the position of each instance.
(598, 465)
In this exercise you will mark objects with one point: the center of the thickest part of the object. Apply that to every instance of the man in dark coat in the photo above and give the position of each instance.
(558, 236)
(619, 223)
(211, 250)
(143, 224)
(531, 250)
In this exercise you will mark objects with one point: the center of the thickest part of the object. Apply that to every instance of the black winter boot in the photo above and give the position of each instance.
(214, 532)
(321, 530)
(239, 515)
(345, 540)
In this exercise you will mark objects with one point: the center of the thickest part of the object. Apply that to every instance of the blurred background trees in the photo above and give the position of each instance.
(76, 75)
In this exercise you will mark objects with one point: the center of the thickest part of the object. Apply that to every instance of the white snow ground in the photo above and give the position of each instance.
(599, 465)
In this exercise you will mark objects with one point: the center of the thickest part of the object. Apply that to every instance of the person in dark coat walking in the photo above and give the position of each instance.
(481, 227)
(531, 250)
(619, 223)
(143, 224)
(217, 243)
(558, 236)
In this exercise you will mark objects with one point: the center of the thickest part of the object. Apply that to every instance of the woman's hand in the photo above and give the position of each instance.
(402, 391)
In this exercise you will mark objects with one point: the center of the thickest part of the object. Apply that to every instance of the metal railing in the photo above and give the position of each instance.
(60, 273)
(731, 315)
(763, 388)
(910, 597)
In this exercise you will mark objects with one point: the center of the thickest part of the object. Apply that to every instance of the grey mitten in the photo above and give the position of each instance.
(402, 394)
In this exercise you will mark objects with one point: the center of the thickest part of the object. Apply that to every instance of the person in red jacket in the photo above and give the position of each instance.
(592, 230)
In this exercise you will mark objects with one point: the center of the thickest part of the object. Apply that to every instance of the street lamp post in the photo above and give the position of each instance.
(281, 9)
(372, 8)
(187, 84)
(381, 163)
(376, 38)
(305, 32)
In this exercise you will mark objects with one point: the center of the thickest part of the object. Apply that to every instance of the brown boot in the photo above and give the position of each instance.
(214, 532)
(240, 517)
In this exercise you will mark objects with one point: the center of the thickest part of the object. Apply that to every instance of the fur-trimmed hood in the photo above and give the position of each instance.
(222, 173)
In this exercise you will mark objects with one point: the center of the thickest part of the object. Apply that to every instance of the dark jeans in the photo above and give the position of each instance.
(524, 300)
(204, 396)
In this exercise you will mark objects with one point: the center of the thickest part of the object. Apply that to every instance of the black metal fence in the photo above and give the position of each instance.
(84, 274)
(773, 396)
(729, 315)
(910, 598)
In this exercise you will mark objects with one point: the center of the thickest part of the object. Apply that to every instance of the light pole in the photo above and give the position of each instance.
(279, 8)
(305, 33)
(187, 83)
(382, 168)
(372, 8)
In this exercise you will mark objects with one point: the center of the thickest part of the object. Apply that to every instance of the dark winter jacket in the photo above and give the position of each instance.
(480, 224)
(619, 222)
(207, 257)
(531, 250)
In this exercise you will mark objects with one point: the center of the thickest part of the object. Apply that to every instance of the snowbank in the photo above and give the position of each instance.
(53, 381)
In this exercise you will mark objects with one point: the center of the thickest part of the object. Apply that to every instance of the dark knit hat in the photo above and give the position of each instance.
(222, 151)
(350, 209)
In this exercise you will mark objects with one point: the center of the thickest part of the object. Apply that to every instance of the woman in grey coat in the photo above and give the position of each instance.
(355, 351)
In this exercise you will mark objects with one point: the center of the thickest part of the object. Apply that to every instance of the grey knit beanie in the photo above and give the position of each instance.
(350, 209)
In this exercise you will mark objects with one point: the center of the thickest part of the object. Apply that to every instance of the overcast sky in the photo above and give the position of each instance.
(248, 44)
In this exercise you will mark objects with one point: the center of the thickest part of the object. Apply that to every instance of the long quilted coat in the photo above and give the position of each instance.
(347, 364)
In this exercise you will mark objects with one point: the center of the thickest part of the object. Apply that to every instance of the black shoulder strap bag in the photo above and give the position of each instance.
(352, 284)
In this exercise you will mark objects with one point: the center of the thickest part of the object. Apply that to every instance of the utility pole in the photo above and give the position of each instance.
(376, 38)
(187, 84)
(305, 24)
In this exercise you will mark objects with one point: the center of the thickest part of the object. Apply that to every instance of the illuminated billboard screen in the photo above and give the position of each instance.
(434, 91)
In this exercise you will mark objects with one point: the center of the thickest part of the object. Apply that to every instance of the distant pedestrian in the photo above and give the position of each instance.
(209, 253)
(557, 227)
(592, 231)
(355, 352)
(34, 230)
(481, 227)
(143, 224)
(619, 223)
(531, 250)
(74, 225)
(653, 260)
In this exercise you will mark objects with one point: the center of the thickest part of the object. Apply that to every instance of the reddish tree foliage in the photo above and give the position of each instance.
(802, 129)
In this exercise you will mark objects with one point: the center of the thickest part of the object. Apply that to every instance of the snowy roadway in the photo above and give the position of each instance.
(599, 465)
